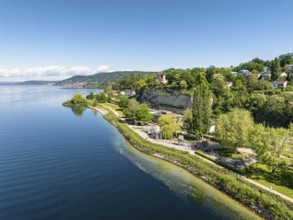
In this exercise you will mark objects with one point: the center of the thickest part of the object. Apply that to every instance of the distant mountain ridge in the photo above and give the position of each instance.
(100, 77)
(37, 82)
(30, 82)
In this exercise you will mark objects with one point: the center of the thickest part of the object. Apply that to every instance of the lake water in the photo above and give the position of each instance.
(56, 163)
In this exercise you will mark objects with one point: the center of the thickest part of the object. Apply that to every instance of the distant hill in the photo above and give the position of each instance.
(8, 83)
(100, 78)
(37, 82)
(31, 82)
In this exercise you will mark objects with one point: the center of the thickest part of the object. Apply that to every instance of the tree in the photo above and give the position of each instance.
(274, 110)
(257, 60)
(257, 104)
(139, 84)
(78, 99)
(263, 85)
(218, 83)
(132, 107)
(108, 89)
(183, 84)
(280, 140)
(271, 143)
(251, 83)
(90, 96)
(188, 120)
(210, 73)
(275, 68)
(202, 110)
(233, 128)
(101, 97)
(169, 126)
(143, 113)
(255, 64)
(123, 102)
(286, 59)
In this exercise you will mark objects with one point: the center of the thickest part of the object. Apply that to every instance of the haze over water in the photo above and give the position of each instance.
(60, 164)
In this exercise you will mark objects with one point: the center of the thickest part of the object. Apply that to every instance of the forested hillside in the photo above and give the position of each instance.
(99, 79)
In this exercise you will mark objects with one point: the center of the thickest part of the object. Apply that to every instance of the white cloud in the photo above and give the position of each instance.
(103, 68)
(49, 72)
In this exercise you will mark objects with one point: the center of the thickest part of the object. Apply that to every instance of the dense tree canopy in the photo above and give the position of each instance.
(254, 65)
(271, 143)
(286, 59)
(233, 128)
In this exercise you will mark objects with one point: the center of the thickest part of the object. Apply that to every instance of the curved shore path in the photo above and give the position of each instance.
(183, 148)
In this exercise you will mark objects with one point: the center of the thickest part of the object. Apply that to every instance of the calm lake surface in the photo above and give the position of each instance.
(56, 163)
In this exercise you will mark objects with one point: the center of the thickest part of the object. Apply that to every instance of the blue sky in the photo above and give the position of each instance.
(59, 38)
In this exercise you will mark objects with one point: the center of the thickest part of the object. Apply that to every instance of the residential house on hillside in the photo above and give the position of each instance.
(289, 67)
(279, 84)
(229, 84)
(114, 92)
(267, 70)
(283, 74)
(266, 76)
(130, 93)
(253, 75)
(162, 78)
(244, 72)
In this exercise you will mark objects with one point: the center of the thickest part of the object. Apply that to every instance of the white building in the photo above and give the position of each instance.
(279, 84)
(229, 84)
(283, 74)
(289, 67)
(267, 70)
(244, 72)
(162, 79)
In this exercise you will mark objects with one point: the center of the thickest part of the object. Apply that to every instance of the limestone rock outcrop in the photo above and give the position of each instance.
(166, 99)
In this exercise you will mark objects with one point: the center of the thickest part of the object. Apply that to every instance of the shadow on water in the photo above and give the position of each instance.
(77, 110)
(184, 185)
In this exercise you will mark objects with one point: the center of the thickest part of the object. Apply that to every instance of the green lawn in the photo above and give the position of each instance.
(115, 107)
(281, 189)
(281, 181)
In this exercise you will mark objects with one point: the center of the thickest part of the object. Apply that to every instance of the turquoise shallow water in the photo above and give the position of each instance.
(56, 163)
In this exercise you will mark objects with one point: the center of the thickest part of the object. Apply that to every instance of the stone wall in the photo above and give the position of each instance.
(166, 99)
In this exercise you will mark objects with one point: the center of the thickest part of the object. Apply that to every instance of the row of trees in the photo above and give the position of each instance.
(276, 65)
(271, 109)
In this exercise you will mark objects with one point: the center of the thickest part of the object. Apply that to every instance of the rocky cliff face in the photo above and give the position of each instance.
(166, 99)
